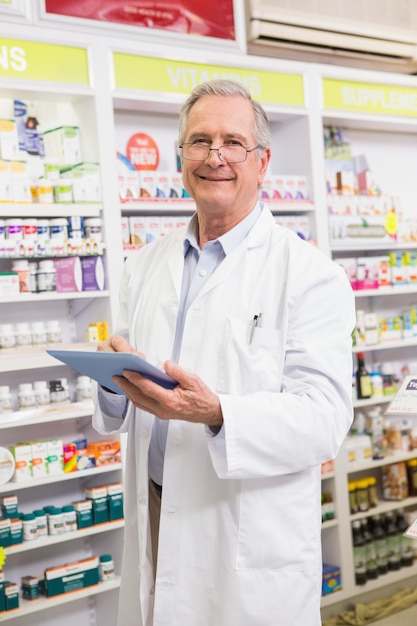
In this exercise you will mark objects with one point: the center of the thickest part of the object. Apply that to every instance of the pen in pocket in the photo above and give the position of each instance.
(256, 322)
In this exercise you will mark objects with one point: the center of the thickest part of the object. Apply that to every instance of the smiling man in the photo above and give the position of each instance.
(223, 482)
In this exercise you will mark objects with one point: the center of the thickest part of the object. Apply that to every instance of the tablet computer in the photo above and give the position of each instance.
(101, 366)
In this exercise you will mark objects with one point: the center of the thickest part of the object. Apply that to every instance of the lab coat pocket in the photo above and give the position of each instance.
(250, 361)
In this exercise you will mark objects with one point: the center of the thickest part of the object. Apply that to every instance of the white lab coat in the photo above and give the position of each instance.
(240, 527)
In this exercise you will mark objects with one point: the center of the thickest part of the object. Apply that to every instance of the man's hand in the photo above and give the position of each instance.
(191, 400)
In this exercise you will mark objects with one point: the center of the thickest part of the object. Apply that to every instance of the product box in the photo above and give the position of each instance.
(398, 268)
(349, 265)
(70, 457)
(9, 506)
(153, 228)
(367, 272)
(384, 272)
(98, 496)
(167, 225)
(5, 532)
(68, 274)
(20, 183)
(11, 595)
(176, 186)
(394, 481)
(39, 459)
(115, 501)
(148, 182)
(332, 580)
(92, 273)
(2, 598)
(30, 587)
(16, 531)
(163, 184)
(5, 181)
(104, 452)
(410, 263)
(137, 230)
(63, 143)
(55, 456)
(71, 576)
(86, 184)
(9, 141)
(22, 453)
(84, 511)
(127, 178)
(9, 284)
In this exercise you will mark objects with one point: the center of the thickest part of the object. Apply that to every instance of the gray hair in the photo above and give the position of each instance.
(223, 88)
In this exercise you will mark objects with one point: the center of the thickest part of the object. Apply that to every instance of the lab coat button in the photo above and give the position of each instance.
(203, 273)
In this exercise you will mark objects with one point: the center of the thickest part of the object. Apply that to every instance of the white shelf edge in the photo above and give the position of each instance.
(331, 523)
(51, 540)
(387, 345)
(375, 247)
(359, 404)
(49, 414)
(171, 206)
(386, 291)
(28, 607)
(360, 466)
(22, 298)
(385, 506)
(11, 209)
(20, 359)
(57, 478)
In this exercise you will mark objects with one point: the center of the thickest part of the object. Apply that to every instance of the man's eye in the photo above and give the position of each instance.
(232, 142)
(200, 142)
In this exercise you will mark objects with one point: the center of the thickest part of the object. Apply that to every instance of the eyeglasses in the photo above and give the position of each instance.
(229, 153)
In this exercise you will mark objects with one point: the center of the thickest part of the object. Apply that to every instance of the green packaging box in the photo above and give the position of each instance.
(71, 576)
(30, 587)
(11, 595)
(84, 510)
(98, 496)
(115, 501)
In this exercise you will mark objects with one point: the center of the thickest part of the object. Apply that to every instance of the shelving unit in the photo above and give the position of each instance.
(108, 112)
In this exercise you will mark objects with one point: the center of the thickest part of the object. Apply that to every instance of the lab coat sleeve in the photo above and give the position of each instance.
(271, 434)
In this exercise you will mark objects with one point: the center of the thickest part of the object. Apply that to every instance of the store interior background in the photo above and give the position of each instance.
(374, 41)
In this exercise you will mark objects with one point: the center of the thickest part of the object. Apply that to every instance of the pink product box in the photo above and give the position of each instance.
(349, 265)
(68, 274)
(367, 272)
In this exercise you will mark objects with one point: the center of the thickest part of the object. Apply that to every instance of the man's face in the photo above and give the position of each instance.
(215, 185)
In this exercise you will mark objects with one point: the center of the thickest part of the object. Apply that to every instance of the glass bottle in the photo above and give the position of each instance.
(363, 379)
(371, 564)
(359, 553)
(393, 543)
(380, 540)
(407, 555)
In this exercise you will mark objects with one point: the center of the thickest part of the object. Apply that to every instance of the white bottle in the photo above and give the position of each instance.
(7, 336)
(53, 331)
(83, 388)
(6, 399)
(26, 396)
(38, 334)
(42, 393)
(46, 276)
(65, 385)
(23, 335)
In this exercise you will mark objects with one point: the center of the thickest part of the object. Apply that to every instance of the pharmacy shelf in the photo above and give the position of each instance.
(22, 298)
(50, 540)
(373, 401)
(387, 345)
(176, 207)
(385, 506)
(29, 607)
(21, 359)
(331, 523)
(10, 209)
(46, 415)
(360, 466)
(57, 478)
(398, 290)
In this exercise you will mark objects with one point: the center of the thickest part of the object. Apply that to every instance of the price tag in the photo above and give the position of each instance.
(405, 400)
(412, 530)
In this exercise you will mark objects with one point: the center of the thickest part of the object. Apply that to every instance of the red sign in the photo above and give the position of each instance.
(142, 152)
(197, 17)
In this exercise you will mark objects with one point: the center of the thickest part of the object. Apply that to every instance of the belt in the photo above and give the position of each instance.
(158, 488)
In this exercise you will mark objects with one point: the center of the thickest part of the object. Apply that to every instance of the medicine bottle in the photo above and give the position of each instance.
(363, 379)
(30, 527)
(42, 393)
(23, 335)
(70, 517)
(359, 553)
(53, 332)
(92, 227)
(21, 268)
(412, 477)
(38, 331)
(380, 541)
(43, 230)
(26, 396)
(65, 385)
(83, 388)
(6, 404)
(106, 567)
(30, 228)
(41, 522)
(33, 277)
(14, 228)
(46, 276)
(2, 230)
(7, 336)
(55, 521)
(57, 392)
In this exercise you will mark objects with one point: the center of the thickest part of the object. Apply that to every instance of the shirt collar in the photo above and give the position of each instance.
(229, 240)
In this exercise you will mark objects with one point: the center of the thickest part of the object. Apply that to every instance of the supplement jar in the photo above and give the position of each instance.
(106, 567)
(46, 276)
(21, 267)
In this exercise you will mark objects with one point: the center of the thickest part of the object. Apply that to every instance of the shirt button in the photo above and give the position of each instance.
(203, 273)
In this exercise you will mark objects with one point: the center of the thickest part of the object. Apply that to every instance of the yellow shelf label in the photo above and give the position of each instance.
(369, 98)
(177, 77)
(2, 558)
(30, 60)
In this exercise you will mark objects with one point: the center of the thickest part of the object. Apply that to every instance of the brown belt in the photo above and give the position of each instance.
(158, 488)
